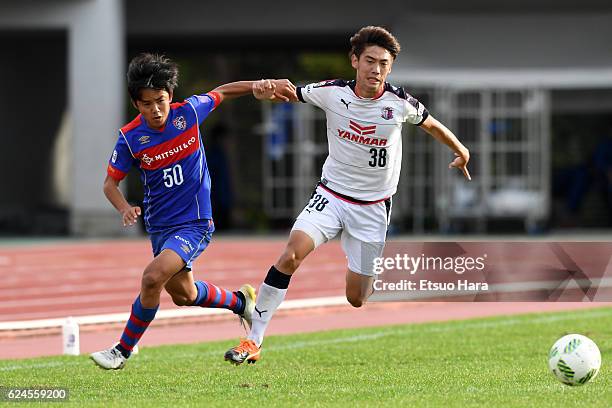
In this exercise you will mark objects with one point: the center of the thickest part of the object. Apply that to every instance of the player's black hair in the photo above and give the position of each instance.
(152, 71)
(372, 35)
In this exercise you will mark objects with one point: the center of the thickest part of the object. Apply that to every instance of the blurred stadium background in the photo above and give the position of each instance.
(526, 85)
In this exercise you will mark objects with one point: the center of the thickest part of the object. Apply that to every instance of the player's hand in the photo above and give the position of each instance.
(461, 162)
(130, 215)
(285, 90)
(264, 89)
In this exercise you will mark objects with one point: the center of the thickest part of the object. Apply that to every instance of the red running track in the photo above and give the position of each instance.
(73, 279)
(61, 279)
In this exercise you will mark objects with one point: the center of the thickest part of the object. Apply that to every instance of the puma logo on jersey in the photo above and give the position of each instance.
(345, 103)
(260, 312)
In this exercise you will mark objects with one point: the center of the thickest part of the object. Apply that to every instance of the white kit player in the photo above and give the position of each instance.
(361, 173)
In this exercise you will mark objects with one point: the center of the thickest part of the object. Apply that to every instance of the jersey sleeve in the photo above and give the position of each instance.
(121, 160)
(316, 94)
(204, 104)
(416, 113)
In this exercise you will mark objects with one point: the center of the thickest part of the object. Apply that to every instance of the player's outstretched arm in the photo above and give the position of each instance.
(442, 134)
(272, 89)
(129, 214)
(285, 91)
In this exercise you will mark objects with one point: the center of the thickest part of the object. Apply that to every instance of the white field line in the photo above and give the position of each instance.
(164, 314)
(300, 304)
(392, 331)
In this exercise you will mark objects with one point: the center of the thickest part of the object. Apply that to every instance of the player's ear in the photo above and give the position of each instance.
(134, 104)
(354, 61)
(170, 94)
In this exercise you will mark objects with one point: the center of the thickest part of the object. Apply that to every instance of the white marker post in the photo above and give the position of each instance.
(70, 337)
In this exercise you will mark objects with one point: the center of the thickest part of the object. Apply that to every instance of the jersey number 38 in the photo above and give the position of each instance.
(378, 158)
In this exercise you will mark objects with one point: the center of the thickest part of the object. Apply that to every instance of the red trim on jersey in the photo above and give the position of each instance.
(382, 91)
(115, 173)
(176, 105)
(164, 154)
(132, 125)
(360, 129)
(347, 199)
(378, 95)
(216, 97)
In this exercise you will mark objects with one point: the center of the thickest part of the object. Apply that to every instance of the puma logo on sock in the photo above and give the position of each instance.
(260, 312)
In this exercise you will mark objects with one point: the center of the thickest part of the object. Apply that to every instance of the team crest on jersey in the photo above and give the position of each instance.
(180, 123)
(387, 113)
(144, 139)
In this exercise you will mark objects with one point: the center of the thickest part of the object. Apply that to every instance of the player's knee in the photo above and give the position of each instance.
(152, 280)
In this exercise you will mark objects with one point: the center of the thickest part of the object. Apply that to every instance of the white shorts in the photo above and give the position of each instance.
(363, 226)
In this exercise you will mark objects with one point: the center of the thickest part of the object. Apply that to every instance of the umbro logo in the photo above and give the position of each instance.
(260, 312)
(345, 103)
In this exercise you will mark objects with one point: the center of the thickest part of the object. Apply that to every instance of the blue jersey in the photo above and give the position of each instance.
(171, 161)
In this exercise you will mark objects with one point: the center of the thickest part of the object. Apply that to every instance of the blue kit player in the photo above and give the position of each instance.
(165, 144)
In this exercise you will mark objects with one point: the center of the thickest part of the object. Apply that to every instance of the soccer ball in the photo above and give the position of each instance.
(574, 359)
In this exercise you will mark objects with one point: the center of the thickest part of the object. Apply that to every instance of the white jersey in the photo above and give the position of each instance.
(364, 136)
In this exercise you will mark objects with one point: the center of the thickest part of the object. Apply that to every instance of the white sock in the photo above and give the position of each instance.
(269, 299)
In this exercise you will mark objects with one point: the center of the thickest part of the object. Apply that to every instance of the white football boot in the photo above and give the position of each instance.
(109, 359)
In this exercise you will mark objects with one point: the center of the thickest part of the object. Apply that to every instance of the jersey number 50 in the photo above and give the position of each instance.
(173, 176)
(378, 158)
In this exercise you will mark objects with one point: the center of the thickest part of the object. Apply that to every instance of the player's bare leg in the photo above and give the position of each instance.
(271, 294)
(181, 287)
(358, 288)
(299, 246)
(144, 308)
(163, 267)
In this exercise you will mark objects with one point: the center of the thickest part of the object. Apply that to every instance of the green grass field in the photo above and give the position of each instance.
(496, 362)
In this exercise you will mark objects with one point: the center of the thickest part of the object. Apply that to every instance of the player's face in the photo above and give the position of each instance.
(373, 66)
(154, 106)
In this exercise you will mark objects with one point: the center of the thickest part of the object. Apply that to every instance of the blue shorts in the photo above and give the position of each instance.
(187, 240)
